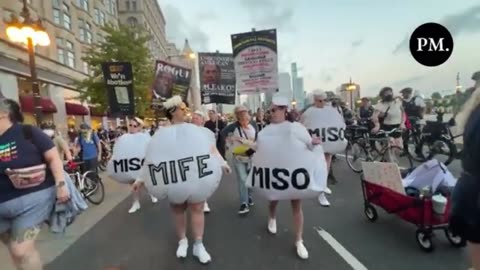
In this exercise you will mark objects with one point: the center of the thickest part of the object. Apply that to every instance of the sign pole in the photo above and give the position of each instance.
(217, 52)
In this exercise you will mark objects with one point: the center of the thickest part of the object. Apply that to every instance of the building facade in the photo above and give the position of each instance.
(148, 15)
(285, 85)
(298, 88)
(72, 26)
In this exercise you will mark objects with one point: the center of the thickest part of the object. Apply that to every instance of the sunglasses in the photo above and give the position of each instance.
(319, 100)
(277, 109)
(134, 126)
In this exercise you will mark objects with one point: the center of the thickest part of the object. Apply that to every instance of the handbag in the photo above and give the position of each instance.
(27, 177)
(243, 152)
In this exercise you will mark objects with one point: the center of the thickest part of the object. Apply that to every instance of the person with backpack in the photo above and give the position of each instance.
(413, 105)
(31, 182)
(89, 148)
(239, 135)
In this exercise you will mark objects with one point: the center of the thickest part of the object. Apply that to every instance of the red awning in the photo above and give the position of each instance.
(75, 109)
(26, 103)
(94, 111)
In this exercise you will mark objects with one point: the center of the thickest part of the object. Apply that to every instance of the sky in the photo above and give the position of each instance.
(335, 40)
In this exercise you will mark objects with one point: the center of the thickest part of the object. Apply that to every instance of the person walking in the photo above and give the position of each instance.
(88, 148)
(31, 181)
(61, 145)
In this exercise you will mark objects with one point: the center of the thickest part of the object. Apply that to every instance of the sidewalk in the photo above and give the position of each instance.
(51, 245)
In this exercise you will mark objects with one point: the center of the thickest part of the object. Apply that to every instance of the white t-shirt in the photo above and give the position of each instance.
(247, 133)
(394, 114)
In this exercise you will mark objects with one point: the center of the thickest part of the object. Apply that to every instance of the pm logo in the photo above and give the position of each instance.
(431, 44)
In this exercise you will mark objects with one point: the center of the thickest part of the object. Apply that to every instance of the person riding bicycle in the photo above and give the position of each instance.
(365, 113)
(89, 148)
(389, 115)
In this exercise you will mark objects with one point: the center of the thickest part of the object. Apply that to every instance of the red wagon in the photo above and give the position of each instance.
(415, 210)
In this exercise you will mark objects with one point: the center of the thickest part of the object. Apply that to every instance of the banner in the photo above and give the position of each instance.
(255, 61)
(217, 78)
(170, 80)
(119, 81)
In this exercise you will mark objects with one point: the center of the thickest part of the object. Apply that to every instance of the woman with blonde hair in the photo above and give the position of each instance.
(135, 126)
(465, 216)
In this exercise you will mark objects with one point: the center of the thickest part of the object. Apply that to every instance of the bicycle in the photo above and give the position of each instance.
(88, 183)
(412, 138)
(106, 155)
(364, 144)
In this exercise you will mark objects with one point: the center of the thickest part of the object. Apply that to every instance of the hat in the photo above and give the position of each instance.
(279, 100)
(84, 126)
(199, 113)
(173, 102)
(406, 90)
(240, 108)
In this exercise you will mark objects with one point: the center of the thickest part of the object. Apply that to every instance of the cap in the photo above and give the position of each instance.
(199, 113)
(279, 100)
(84, 126)
(406, 90)
(240, 108)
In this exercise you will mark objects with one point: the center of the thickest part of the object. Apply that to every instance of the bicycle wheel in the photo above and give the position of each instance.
(441, 148)
(102, 165)
(397, 155)
(412, 147)
(94, 190)
(355, 154)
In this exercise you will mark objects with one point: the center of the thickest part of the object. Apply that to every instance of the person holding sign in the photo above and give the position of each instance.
(328, 123)
(183, 166)
(134, 127)
(287, 166)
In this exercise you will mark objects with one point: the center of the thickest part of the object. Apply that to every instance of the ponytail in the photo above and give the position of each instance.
(15, 114)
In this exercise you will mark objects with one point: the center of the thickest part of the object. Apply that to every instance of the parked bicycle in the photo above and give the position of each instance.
(106, 155)
(363, 147)
(88, 183)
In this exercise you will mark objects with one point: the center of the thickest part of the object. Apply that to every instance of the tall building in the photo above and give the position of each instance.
(149, 15)
(298, 89)
(72, 26)
(284, 85)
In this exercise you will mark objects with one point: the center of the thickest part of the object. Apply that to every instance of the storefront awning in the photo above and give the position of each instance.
(75, 109)
(27, 104)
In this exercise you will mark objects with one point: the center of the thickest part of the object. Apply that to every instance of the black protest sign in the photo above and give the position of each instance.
(170, 80)
(118, 78)
(217, 78)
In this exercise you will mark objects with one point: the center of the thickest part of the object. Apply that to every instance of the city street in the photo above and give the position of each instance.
(146, 240)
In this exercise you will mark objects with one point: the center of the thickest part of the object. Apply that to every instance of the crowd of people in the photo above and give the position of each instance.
(34, 155)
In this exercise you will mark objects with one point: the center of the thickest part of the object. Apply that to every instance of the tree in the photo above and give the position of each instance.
(436, 96)
(123, 44)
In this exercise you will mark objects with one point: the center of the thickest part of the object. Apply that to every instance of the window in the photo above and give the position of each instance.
(85, 67)
(69, 45)
(60, 50)
(66, 21)
(85, 30)
(56, 3)
(66, 8)
(56, 16)
(88, 31)
(134, 5)
(97, 16)
(71, 59)
(132, 21)
(127, 4)
(100, 38)
(102, 18)
(112, 6)
(83, 4)
(7, 15)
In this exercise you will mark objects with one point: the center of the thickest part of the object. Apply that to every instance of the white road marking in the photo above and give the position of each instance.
(342, 251)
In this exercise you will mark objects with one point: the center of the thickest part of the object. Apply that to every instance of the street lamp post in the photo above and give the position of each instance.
(31, 33)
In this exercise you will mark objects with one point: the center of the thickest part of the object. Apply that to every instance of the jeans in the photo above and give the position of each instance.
(242, 170)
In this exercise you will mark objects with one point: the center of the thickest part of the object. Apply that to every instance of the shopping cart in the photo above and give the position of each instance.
(415, 210)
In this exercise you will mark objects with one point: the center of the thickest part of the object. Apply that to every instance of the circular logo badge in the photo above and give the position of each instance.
(431, 44)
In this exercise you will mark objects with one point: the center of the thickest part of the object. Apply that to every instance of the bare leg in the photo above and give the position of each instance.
(474, 254)
(198, 220)
(328, 159)
(272, 208)
(136, 201)
(23, 251)
(297, 219)
(178, 211)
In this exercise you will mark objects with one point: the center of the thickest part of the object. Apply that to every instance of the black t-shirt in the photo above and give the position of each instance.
(471, 143)
(18, 152)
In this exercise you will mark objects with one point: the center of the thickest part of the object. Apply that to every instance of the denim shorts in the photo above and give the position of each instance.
(24, 215)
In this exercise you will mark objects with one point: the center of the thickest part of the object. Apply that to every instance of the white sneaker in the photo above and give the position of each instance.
(327, 191)
(302, 251)
(201, 253)
(154, 199)
(272, 225)
(206, 208)
(182, 248)
(322, 199)
(135, 207)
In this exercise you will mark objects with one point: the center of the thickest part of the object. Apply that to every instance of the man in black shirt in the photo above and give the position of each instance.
(215, 124)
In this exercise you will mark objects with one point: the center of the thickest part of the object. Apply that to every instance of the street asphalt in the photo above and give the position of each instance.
(146, 240)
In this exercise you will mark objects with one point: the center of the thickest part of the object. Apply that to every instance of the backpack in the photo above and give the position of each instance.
(80, 139)
(411, 108)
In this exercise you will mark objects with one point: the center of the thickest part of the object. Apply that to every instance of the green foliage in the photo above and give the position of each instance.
(436, 96)
(123, 44)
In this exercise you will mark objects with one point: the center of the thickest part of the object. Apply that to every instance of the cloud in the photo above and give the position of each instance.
(270, 13)
(206, 16)
(407, 81)
(467, 21)
(178, 29)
